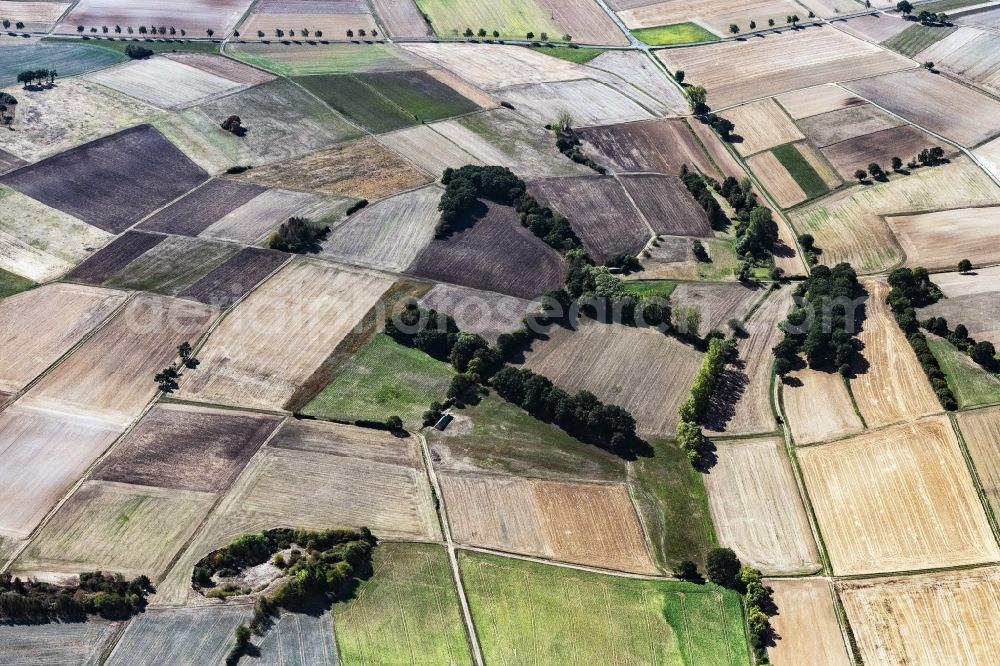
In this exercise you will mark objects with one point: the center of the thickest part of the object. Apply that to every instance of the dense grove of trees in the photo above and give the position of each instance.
(107, 595)
(298, 235)
(823, 328)
(137, 52)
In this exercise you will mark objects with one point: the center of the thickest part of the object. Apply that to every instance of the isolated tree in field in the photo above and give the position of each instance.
(723, 567)
(964, 266)
(679, 76)
(770, 22)
(897, 163)
(350, 33)
(904, 7)
(861, 174)
(733, 28)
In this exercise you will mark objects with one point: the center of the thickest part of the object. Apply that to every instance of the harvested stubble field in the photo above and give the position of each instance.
(892, 386)
(429, 150)
(667, 205)
(308, 59)
(194, 17)
(639, 70)
(917, 37)
(848, 224)
(989, 156)
(235, 277)
(36, 16)
(197, 634)
(485, 313)
(269, 345)
(186, 447)
(56, 643)
(640, 369)
(761, 125)
(144, 336)
(67, 59)
(940, 240)
(388, 234)
(401, 18)
(970, 382)
(940, 618)
(876, 27)
(529, 613)
(511, 18)
(777, 179)
(495, 66)
(39, 326)
(600, 212)
(172, 265)
(717, 302)
(717, 16)
(897, 499)
(930, 101)
(70, 113)
(820, 99)
(978, 311)
(742, 401)
(407, 612)
(298, 639)
(856, 120)
(780, 62)
(493, 256)
(655, 145)
(818, 407)
(384, 379)
(980, 281)
(281, 121)
(585, 21)
(981, 432)
(198, 210)
(495, 436)
(756, 508)
(162, 82)
(112, 182)
(806, 624)
(106, 526)
(590, 102)
(227, 68)
(254, 220)
(584, 523)
(332, 25)
(39, 242)
(360, 169)
(194, 133)
(969, 54)
(904, 142)
(504, 137)
(115, 256)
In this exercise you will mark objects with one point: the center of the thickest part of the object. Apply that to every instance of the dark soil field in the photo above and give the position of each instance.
(496, 254)
(857, 153)
(235, 277)
(173, 265)
(667, 205)
(199, 209)
(652, 145)
(115, 256)
(113, 182)
(10, 162)
(190, 448)
(599, 211)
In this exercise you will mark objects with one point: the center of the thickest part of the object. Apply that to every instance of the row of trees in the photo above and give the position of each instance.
(529, 36)
(110, 596)
(926, 157)
(166, 379)
(692, 411)
(791, 19)
(36, 76)
(143, 30)
(18, 24)
(905, 8)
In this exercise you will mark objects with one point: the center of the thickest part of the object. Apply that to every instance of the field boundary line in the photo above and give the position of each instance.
(977, 482)
(635, 206)
(906, 573)
(651, 549)
(867, 430)
(584, 568)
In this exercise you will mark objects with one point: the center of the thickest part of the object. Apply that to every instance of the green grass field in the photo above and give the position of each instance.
(384, 379)
(65, 56)
(917, 37)
(309, 59)
(11, 283)
(577, 55)
(643, 288)
(971, 384)
(677, 33)
(513, 19)
(724, 260)
(672, 502)
(419, 94)
(358, 101)
(406, 613)
(529, 613)
(803, 172)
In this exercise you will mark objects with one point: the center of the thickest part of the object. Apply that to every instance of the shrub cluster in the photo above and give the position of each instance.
(298, 235)
(137, 52)
(107, 595)
(569, 144)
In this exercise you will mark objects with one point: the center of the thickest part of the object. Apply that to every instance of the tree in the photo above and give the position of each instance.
(964, 266)
(723, 567)
(904, 7)
(897, 163)
(278, 32)
(184, 350)
(567, 37)
(210, 32)
(303, 31)
(544, 36)
(319, 33)
(861, 174)
(753, 25)
(6, 23)
(374, 33)
(679, 76)
(79, 28)
(929, 65)
(984, 353)
(137, 52)
(481, 32)
(496, 34)
(104, 29)
(350, 33)
(260, 34)
(118, 30)
(530, 35)
(468, 32)
(394, 423)
(733, 28)
(361, 33)
(875, 170)
(697, 97)
(770, 22)
(686, 570)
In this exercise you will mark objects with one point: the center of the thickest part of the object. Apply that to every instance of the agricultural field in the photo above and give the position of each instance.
(929, 101)
(818, 407)
(194, 17)
(808, 168)
(401, 19)
(187, 447)
(756, 508)
(36, 16)
(657, 145)
(937, 618)
(255, 219)
(11, 283)
(954, 285)
(298, 639)
(642, 73)
(717, 302)
(891, 387)
(163, 82)
(585, 523)
(813, 101)
(407, 611)
(429, 150)
(10, 162)
(779, 181)
(360, 169)
(904, 142)
(226, 68)
(761, 125)
(384, 379)
(831, 127)
(530, 612)
(39, 326)
(472, 257)
(777, 63)
(301, 19)
(139, 171)
(897, 499)
(988, 155)
(848, 225)
(917, 38)
(971, 300)
(179, 635)
(309, 59)
(234, 278)
(969, 54)
(716, 16)
(806, 624)
(56, 643)
(68, 59)
(496, 66)
(172, 265)
(941, 239)
(512, 19)
(114, 256)
(875, 27)
(267, 347)
(640, 369)
(972, 384)
(981, 433)
(197, 210)
(676, 33)
(589, 102)
(482, 312)
(388, 234)
(666, 205)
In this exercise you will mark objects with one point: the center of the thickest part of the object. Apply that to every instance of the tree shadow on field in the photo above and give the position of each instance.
(727, 394)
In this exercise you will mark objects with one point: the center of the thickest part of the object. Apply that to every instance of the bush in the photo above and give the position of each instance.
(723, 567)
(356, 206)
(298, 235)
(137, 52)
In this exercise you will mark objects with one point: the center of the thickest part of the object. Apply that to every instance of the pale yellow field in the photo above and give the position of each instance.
(715, 15)
(814, 101)
(762, 124)
(776, 179)
(941, 619)
(894, 387)
(806, 624)
(981, 432)
(492, 66)
(756, 508)
(818, 407)
(897, 499)
(940, 240)
(39, 326)
(163, 82)
(334, 26)
(35, 15)
(427, 149)
(272, 342)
